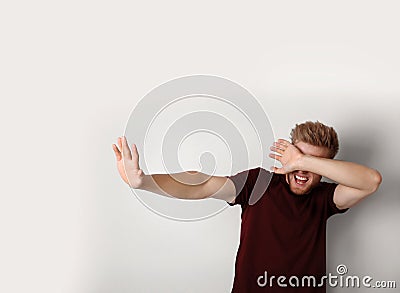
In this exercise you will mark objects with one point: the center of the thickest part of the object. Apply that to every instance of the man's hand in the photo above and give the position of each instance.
(128, 163)
(289, 156)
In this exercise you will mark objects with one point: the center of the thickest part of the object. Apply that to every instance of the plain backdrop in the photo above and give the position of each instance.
(70, 74)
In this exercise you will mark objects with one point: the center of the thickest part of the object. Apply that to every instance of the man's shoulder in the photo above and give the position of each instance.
(253, 173)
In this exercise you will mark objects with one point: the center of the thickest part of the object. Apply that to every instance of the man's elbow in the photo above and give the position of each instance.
(376, 180)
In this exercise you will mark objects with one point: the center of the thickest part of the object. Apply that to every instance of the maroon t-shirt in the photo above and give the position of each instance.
(282, 234)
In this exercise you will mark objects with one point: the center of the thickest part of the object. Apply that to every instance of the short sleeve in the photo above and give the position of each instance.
(332, 209)
(246, 181)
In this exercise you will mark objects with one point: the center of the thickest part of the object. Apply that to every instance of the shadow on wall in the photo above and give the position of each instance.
(366, 145)
(347, 233)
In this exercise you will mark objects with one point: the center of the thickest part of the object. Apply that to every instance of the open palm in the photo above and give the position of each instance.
(287, 154)
(128, 163)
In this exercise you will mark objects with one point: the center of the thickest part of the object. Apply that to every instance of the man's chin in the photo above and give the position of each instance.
(300, 191)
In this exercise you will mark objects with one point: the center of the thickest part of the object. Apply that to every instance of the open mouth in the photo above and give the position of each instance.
(300, 180)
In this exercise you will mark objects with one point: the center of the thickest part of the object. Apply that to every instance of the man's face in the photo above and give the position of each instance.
(302, 182)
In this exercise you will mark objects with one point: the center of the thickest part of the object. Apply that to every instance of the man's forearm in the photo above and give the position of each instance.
(184, 185)
(345, 173)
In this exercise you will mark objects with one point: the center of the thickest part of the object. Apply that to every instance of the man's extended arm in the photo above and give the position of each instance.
(355, 181)
(184, 185)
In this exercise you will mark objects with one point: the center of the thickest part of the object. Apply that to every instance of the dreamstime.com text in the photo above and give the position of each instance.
(342, 280)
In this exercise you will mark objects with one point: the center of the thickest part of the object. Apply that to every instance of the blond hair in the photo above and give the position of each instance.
(317, 134)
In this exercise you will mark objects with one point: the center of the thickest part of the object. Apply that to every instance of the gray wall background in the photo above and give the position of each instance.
(71, 73)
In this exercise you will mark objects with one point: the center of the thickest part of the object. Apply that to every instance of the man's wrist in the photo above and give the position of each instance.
(146, 181)
(302, 162)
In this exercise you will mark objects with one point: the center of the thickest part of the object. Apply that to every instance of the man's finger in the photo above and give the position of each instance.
(284, 142)
(277, 170)
(276, 150)
(135, 156)
(126, 152)
(276, 157)
(117, 152)
(280, 145)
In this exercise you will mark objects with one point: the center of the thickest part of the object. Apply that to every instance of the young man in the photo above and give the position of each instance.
(282, 242)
